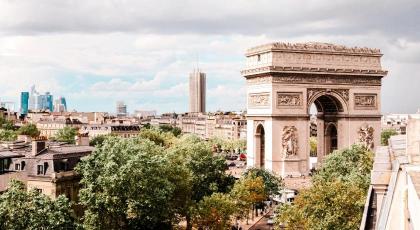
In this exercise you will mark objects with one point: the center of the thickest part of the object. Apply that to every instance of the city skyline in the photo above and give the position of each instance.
(145, 60)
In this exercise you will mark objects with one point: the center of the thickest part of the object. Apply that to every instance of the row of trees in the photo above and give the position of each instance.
(9, 133)
(157, 180)
(337, 197)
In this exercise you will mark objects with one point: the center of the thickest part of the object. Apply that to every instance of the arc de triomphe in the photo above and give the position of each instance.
(284, 80)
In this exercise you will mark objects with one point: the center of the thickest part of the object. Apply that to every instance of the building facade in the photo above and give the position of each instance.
(122, 130)
(24, 102)
(197, 83)
(44, 166)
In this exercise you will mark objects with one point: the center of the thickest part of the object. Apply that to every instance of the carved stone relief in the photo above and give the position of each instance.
(344, 93)
(289, 99)
(289, 141)
(365, 101)
(366, 136)
(259, 100)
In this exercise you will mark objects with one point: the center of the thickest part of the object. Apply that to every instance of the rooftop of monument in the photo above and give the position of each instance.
(313, 47)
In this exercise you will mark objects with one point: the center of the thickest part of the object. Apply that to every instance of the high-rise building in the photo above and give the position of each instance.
(24, 102)
(40, 102)
(60, 105)
(197, 91)
(64, 103)
(121, 109)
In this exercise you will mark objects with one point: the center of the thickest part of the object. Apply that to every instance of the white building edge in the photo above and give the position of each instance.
(393, 198)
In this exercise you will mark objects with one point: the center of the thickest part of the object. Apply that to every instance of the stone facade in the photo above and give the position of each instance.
(284, 80)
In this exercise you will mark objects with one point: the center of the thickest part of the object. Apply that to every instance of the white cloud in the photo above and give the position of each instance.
(96, 52)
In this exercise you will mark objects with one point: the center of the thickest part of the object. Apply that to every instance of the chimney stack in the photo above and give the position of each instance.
(38, 145)
(82, 139)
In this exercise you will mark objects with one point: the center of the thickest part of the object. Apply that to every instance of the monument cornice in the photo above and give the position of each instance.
(307, 70)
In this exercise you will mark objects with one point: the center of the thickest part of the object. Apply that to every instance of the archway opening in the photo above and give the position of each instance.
(331, 143)
(260, 146)
(323, 126)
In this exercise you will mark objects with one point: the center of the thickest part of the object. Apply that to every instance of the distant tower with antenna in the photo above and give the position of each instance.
(197, 90)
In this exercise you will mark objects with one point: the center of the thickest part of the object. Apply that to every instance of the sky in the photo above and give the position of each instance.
(95, 53)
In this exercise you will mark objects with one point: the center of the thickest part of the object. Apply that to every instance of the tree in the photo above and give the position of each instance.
(313, 144)
(7, 135)
(66, 134)
(215, 211)
(333, 205)
(158, 137)
(386, 134)
(128, 184)
(272, 183)
(29, 130)
(350, 165)
(170, 129)
(206, 172)
(6, 124)
(247, 193)
(240, 145)
(99, 140)
(32, 210)
(337, 197)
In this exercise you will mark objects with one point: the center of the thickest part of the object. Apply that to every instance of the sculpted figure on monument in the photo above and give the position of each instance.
(289, 141)
(366, 136)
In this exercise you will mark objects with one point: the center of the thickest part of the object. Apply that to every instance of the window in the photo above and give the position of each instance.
(40, 170)
(17, 167)
(38, 190)
(259, 57)
(23, 165)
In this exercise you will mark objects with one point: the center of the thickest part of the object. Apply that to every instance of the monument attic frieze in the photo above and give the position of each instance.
(313, 58)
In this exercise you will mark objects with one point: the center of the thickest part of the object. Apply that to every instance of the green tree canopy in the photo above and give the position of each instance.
(206, 172)
(332, 205)
(170, 129)
(386, 134)
(6, 124)
(160, 138)
(313, 144)
(215, 212)
(272, 183)
(66, 134)
(32, 210)
(128, 184)
(29, 130)
(99, 140)
(7, 135)
(350, 165)
(337, 197)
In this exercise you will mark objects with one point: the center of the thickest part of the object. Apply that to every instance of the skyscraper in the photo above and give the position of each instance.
(60, 105)
(121, 109)
(197, 91)
(64, 103)
(40, 102)
(24, 102)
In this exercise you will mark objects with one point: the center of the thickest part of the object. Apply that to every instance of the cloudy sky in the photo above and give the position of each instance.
(97, 52)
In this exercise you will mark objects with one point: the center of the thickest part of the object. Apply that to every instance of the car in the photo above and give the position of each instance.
(231, 164)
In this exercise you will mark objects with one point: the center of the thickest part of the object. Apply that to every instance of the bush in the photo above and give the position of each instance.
(386, 134)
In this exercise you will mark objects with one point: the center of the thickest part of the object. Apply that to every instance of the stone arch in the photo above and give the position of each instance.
(259, 145)
(331, 105)
(339, 100)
